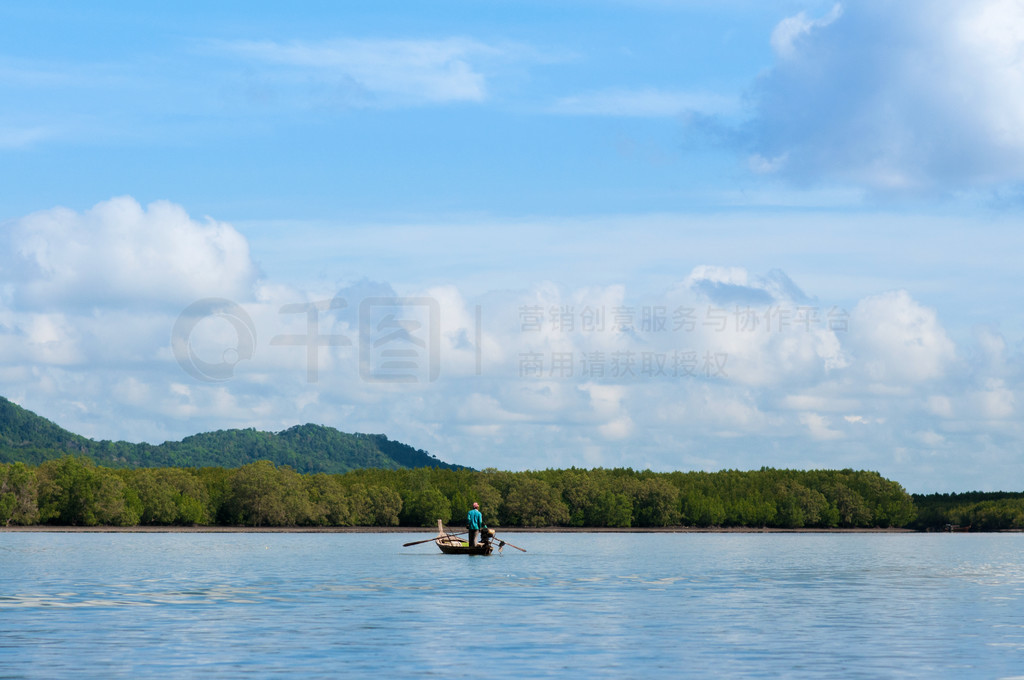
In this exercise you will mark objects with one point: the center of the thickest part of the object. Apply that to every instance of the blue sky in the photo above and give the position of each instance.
(676, 235)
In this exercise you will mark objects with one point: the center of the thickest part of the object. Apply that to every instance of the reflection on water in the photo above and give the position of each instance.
(576, 605)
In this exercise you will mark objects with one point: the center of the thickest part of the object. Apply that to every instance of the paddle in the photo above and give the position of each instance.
(501, 542)
(428, 540)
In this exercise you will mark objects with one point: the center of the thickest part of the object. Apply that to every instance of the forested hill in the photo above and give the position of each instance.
(32, 439)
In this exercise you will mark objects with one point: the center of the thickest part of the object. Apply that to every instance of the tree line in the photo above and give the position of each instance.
(977, 510)
(73, 490)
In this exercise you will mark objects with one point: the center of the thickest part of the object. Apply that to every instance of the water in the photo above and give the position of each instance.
(574, 606)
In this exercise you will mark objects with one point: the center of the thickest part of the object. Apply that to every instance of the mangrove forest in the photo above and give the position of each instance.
(75, 491)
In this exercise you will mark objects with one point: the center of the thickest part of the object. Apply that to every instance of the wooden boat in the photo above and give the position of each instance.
(453, 545)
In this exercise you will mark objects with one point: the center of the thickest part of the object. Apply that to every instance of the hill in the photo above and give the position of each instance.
(32, 439)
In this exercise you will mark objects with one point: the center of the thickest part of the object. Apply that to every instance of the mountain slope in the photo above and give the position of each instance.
(32, 439)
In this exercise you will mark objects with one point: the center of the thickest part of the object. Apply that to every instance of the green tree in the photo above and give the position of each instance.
(170, 496)
(579, 491)
(533, 502)
(656, 503)
(381, 506)
(702, 510)
(889, 503)
(72, 490)
(611, 509)
(797, 506)
(331, 503)
(263, 495)
(850, 507)
(489, 499)
(423, 508)
(18, 495)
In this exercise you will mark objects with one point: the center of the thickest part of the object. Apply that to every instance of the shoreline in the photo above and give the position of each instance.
(431, 530)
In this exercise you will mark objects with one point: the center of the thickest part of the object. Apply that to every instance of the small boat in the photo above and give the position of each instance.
(453, 545)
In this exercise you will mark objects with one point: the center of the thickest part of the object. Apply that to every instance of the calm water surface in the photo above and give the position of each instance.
(575, 605)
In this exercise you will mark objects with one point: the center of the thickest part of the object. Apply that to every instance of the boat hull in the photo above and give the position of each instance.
(465, 549)
(450, 545)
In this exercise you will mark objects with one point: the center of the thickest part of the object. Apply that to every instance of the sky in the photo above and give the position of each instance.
(662, 234)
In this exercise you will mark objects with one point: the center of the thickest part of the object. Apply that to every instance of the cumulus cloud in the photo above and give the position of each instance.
(908, 97)
(898, 341)
(872, 380)
(727, 368)
(88, 302)
(120, 253)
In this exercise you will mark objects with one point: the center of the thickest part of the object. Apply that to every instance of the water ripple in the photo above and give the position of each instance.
(619, 606)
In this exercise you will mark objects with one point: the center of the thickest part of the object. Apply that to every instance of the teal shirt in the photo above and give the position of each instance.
(474, 520)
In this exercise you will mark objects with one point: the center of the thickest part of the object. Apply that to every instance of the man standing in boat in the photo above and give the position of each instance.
(474, 523)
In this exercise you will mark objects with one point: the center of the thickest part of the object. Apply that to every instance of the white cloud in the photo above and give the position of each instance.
(992, 351)
(788, 31)
(930, 438)
(733, 276)
(606, 402)
(714, 409)
(914, 97)
(819, 427)
(119, 253)
(484, 410)
(766, 166)
(988, 39)
(132, 390)
(793, 392)
(50, 339)
(820, 400)
(620, 428)
(379, 72)
(994, 401)
(733, 285)
(898, 341)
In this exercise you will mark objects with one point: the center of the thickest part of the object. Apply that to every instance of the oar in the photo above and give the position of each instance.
(428, 540)
(509, 544)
